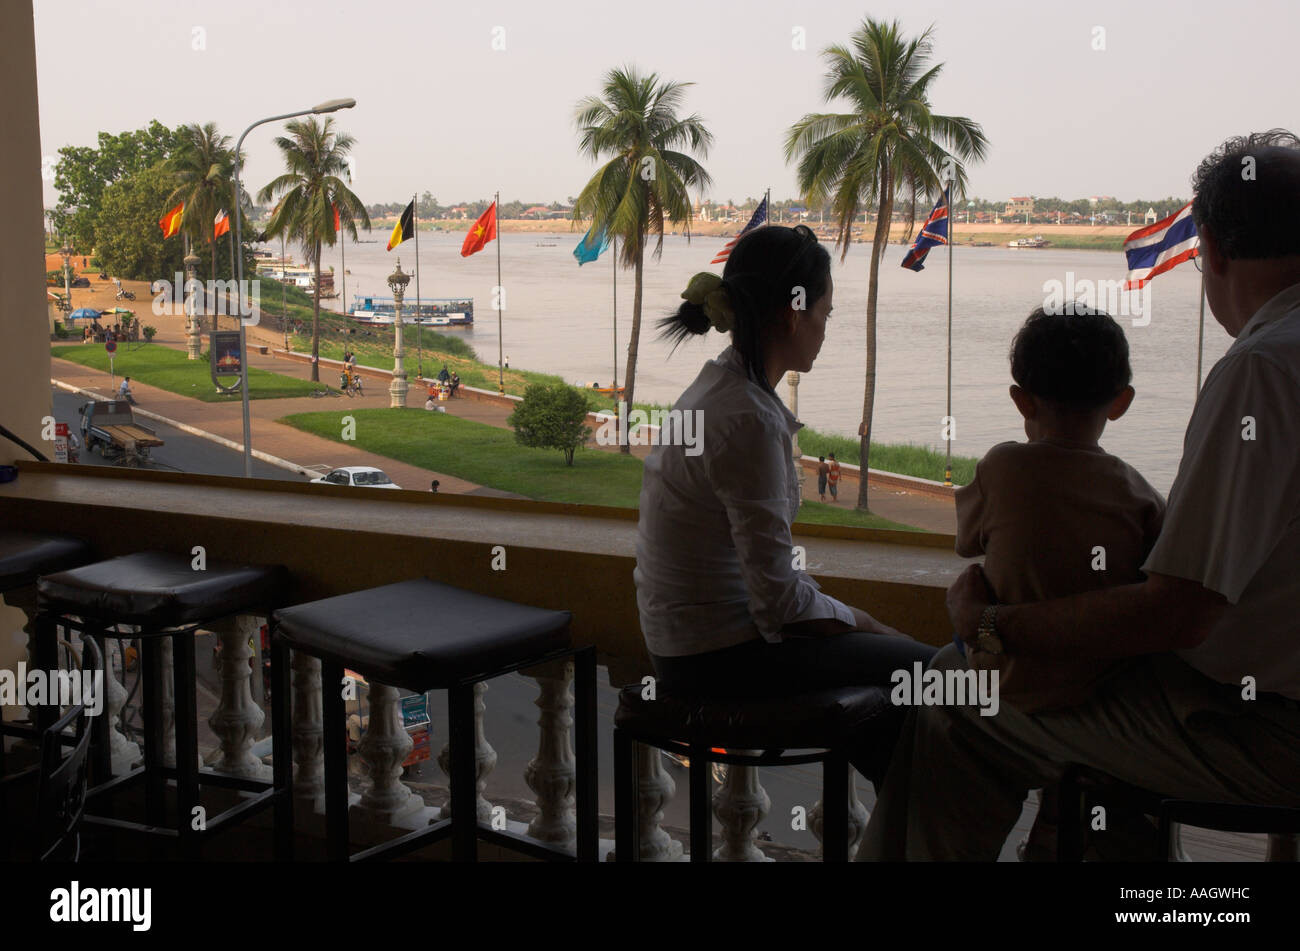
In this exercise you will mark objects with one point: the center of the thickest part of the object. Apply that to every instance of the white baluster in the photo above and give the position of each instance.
(168, 752)
(308, 729)
(654, 790)
(858, 817)
(238, 720)
(382, 750)
(485, 759)
(552, 773)
(124, 752)
(739, 805)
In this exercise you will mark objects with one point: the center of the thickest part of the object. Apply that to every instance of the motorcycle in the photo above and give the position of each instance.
(124, 294)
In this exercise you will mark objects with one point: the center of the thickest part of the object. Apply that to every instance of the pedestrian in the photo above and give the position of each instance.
(124, 391)
(833, 477)
(443, 375)
(822, 471)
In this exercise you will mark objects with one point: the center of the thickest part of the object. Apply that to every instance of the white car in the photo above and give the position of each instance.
(367, 476)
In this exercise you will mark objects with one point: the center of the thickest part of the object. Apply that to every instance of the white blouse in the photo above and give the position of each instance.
(714, 554)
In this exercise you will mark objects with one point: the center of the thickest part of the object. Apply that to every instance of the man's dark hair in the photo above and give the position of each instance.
(1077, 360)
(1247, 195)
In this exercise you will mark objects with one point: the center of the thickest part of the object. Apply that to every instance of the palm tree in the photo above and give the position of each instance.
(645, 180)
(316, 158)
(202, 168)
(867, 155)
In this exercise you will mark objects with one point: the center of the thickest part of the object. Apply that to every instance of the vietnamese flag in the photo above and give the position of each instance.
(484, 230)
(171, 222)
(337, 227)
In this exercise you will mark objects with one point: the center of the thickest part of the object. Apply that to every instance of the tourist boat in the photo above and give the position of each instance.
(303, 278)
(1037, 241)
(432, 312)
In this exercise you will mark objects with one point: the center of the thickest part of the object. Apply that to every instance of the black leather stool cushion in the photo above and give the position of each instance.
(420, 634)
(25, 556)
(819, 718)
(157, 589)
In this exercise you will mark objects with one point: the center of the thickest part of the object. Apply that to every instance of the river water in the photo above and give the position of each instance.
(558, 319)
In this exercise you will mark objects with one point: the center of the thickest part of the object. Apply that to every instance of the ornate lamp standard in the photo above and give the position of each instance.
(193, 340)
(397, 282)
(66, 251)
(793, 380)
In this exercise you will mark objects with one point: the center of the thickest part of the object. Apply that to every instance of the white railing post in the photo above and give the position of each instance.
(858, 817)
(740, 804)
(552, 773)
(237, 718)
(308, 729)
(485, 759)
(382, 750)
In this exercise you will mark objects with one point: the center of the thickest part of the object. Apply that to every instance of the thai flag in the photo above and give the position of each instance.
(1160, 247)
(760, 217)
(933, 232)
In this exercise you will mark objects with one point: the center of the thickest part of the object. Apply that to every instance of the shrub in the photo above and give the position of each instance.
(60, 331)
(148, 332)
(551, 416)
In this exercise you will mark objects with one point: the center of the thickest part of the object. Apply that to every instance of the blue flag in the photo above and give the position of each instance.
(591, 247)
(933, 232)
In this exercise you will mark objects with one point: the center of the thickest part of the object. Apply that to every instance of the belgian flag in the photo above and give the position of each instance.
(404, 230)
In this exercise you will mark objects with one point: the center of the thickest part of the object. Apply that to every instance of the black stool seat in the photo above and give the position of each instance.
(157, 589)
(422, 635)
(819, 718)
(25, 556)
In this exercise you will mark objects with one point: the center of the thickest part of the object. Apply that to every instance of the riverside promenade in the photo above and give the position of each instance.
(923, 506)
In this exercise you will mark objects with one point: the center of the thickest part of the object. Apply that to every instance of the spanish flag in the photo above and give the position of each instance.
(221, 225)
(171, 222)
(484, 230)
(404, 230)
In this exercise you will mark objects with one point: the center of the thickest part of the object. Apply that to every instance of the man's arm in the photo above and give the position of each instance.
(1162, 613)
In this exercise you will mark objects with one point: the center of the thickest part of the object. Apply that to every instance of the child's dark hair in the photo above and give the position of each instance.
(760, 278)
(1077, 359)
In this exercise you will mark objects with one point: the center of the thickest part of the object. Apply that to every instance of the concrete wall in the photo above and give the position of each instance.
(25, 382)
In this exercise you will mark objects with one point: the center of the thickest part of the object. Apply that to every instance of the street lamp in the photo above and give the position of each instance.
(193, 340)
(66, 251)
(331, 105)
(397, 282)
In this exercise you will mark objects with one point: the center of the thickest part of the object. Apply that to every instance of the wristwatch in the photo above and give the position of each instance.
(986, 636)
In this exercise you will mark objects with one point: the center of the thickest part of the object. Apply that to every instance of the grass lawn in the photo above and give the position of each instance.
(490, 456)
(168, 369)
(920, 462)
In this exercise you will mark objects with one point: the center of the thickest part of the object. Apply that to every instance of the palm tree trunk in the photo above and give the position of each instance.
(878, 242)
(629, 373)
(315, 322)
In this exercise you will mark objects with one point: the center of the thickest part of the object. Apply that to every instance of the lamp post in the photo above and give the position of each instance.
(193, 339)
(66, 251)
(792, 379)
(397, 282)
(332, 105)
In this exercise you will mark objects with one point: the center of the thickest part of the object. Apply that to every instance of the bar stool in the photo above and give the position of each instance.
(819, 723)
(164, 597)
(420, 635)
(24, 557)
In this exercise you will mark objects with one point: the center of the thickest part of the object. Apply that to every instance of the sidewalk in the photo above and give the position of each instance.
(225, 419)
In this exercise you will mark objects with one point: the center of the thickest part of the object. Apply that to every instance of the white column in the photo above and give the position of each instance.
(740, 804)
(485, 759)
(654, 790)
(124, 752)
(858, 817)
(382, 750)
(552, 773)
(238, 719)
(793, 380)
(308, 728)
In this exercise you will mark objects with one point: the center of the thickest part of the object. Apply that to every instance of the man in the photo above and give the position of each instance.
(1207, 707)
(124, 391)
(443, 375)
(823, 470)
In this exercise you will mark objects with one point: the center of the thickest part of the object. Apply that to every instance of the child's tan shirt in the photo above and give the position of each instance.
(1054, 521)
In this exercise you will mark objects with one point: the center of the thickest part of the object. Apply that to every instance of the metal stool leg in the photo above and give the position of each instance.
(701, 775)
(155, 783)
(335, 729)
(188, 810)
(464, 812)
(1069, 833)
(282, 750)
(45, 656)
(835, 808)
(587, 796)
(101, 752)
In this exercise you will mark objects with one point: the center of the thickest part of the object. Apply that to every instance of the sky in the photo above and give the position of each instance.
(466, 99)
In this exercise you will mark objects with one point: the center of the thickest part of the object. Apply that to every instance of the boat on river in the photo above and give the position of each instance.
(376, 311)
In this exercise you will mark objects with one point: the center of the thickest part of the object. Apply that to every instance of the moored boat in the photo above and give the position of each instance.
(430, 312)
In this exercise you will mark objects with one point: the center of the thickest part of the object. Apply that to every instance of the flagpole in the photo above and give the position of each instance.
(947, 464)
(496, 221)
(419, 331)
(1200, 337)
(343, 266)
(614, 261)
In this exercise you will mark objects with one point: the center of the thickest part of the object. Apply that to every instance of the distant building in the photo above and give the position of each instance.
(1020, 206)
(1150, 217)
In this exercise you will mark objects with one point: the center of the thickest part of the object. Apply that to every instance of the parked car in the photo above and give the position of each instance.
(367, 476)
(81, 282)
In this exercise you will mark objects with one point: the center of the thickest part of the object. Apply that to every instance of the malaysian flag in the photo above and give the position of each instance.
(760, 218)
(1160, 247)
(933, 232)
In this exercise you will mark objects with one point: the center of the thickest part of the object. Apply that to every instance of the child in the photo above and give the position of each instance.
(833, 478)
(1058, 515)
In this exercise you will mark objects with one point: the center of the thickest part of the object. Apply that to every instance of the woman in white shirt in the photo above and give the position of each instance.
(723, 609)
